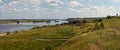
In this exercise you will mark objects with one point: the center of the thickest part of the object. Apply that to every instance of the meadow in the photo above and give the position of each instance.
(102, 35)
(99, 39)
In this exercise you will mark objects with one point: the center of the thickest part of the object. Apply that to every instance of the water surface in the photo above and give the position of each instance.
(25, 26)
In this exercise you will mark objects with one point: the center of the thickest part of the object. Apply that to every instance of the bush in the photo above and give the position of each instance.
(16, 31)
(96, 26)
(77, 22)
(99, 26)
(109, 17)
(102, 25)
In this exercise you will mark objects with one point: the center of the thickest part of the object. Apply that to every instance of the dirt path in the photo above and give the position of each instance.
(54, 39)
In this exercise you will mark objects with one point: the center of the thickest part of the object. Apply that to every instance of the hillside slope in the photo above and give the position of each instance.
(102, 39)
(35, 39)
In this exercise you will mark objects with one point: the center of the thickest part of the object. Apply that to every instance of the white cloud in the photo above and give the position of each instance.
(17, 5)
(103, 9)
(94, 10)
(35, 1)
(75, 4)
(116, 0)
(1, 1)
(13, 3)
(54, 2)
(78, 7)
(13, 9)
(26, 8)
(73, 10)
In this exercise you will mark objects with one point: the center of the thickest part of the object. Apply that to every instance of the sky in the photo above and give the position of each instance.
(57, 9)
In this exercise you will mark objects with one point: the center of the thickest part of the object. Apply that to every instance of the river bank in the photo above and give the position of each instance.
(40, 38)
(11, 27)
(14, 32)
(8, 33)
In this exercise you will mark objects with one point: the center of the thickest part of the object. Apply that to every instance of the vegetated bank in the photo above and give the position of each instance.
(4, 21)
(105, 36)
(87, 34)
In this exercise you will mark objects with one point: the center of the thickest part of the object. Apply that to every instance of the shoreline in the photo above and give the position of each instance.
(3, 34)
(14, 32)
(7, 33)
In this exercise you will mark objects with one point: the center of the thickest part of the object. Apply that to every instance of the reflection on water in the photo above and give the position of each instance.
(25, 26)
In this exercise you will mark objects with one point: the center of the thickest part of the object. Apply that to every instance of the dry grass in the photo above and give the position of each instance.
(102, 39)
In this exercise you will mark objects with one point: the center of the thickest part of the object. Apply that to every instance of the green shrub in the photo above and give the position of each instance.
(109, 17)
(96, 26)
(99, 26)
(102, 25)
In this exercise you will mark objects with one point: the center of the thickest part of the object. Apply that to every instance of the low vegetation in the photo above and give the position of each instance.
(105, 37)
(91, 34)
(23, 20)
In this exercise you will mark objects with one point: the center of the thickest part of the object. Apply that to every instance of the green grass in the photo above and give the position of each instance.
(26, 40)
(107, 39)
(27, 44)
(101, 39)
(83, 37)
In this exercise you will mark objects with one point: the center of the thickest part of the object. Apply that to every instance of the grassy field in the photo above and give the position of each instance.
(27, 40)
(101, 39)
(81, 37)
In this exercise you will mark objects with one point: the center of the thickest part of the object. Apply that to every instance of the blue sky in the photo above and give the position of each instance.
(54, 9)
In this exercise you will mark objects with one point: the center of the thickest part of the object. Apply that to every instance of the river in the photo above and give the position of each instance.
(10, 27)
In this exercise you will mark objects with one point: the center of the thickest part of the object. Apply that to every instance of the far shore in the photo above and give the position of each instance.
(25, 20)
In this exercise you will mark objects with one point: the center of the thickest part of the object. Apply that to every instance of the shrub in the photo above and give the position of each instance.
(109, 17)
(96, 26)
(77, 22)
(16, 31)
(102, 25)
(99, 26)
